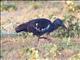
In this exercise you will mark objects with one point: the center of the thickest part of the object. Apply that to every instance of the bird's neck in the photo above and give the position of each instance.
(54, 26)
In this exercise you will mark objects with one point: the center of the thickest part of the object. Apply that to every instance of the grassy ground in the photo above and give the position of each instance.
(64, 45)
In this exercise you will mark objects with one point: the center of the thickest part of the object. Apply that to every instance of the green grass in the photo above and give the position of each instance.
(7, 7)
(50, 50)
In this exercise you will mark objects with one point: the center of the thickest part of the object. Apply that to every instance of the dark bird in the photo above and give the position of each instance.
(40, 26)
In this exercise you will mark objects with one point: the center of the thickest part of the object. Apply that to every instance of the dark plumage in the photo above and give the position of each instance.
(40, 26)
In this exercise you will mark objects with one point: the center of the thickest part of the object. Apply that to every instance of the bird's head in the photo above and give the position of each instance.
(20, 28)
(58, 22)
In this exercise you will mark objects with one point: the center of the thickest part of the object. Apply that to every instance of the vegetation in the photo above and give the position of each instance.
(22, 45)
(7, 7)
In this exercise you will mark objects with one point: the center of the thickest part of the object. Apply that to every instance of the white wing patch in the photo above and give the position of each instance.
(46, 28)
(36, 24)
(36, 27)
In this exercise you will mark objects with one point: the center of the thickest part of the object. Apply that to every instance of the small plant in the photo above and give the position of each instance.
(73, 27)
(72, 7)
(7, 7)
(75, 57)
(36, 5)
(32, 53)
(65, 43)
(51, 50)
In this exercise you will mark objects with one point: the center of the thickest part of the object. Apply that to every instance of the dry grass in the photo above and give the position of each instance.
(20, 48)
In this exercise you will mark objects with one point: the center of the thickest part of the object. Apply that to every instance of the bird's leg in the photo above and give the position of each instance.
(48, 37)
(37, 42)
(38, 38)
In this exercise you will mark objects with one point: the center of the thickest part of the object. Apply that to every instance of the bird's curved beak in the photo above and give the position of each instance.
(63, 26)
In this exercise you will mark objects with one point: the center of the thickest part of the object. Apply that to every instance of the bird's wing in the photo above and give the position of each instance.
(41, 29)
(46, 28)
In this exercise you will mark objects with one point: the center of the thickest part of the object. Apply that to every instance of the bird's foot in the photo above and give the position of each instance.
(38, 41)
(48, 39)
